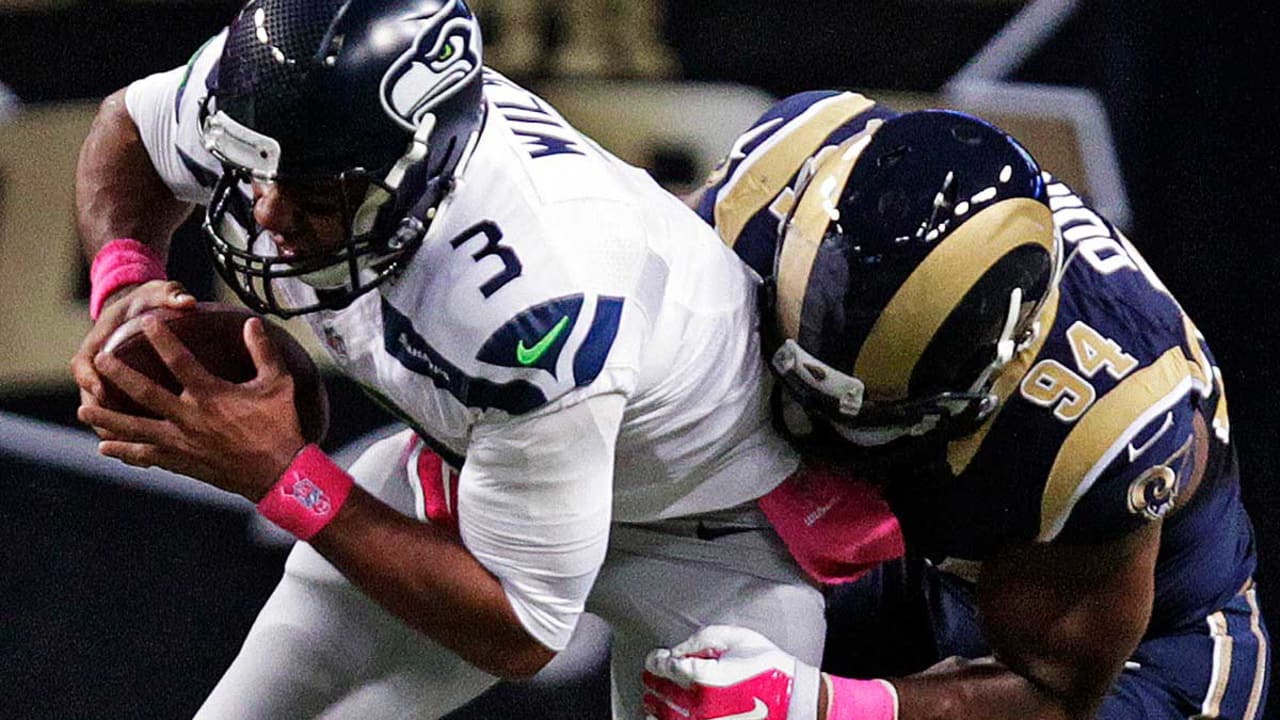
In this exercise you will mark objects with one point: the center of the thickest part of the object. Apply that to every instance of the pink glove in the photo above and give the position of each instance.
(728, 673)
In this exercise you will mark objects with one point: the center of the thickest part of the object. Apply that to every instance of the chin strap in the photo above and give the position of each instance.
(796, 366)
(380, 193)
(877, 436)
(793, 361)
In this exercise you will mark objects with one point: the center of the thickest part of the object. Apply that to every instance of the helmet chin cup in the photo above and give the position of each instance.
(795, 420)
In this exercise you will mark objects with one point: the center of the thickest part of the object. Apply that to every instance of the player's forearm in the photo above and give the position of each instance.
(431, 583)
(967, 689)
(1062, 618)
(118, 192)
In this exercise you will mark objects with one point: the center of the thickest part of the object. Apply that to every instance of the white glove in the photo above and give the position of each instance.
(728, 673)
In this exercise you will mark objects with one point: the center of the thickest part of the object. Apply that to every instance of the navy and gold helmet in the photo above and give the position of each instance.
(911, 267)
(380, 98)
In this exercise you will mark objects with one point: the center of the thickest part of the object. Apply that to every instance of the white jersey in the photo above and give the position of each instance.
(562, 306)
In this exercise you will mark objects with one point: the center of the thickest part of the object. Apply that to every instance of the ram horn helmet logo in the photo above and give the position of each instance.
(445, 53)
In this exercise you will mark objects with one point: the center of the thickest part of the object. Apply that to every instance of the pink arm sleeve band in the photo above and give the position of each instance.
(860, 699)
(308, 495)
(120, 262)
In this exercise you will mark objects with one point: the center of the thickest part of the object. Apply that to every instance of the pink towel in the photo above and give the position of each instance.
(836, 526)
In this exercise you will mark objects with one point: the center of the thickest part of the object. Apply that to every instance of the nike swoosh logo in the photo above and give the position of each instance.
(759, 712)
(1135, 452)
(530, 355)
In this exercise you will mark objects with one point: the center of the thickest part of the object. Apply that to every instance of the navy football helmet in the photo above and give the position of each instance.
(910, 269)
(377, 100)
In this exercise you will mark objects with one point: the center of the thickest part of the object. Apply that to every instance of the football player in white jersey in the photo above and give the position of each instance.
(571, 339)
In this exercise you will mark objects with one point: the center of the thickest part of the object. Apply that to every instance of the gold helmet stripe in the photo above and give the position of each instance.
(758, 181)
(815, 211)
(931, 292)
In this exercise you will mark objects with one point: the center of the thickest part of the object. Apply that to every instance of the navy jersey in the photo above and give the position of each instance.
(1113, 416)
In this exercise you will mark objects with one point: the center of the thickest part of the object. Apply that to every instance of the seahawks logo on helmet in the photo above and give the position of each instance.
(444, 55)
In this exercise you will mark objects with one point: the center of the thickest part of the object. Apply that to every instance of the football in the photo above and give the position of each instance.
(213, 332)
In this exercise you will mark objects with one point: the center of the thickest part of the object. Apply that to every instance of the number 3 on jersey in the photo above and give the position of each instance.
(1052, 384)
(492, 247)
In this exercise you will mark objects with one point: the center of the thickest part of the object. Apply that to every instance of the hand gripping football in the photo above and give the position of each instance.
(213, 332)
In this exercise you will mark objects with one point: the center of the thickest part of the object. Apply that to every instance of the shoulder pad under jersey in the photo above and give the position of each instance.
(1094, 435)
(496, 324)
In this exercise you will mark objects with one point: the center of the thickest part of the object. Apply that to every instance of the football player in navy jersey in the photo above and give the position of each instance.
(956, 327)
(576, 347)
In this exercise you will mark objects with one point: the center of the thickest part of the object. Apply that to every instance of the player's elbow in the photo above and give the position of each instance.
(519, 663)
(1075, 692)
(1079, 703)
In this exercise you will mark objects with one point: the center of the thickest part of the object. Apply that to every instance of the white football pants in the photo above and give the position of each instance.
(321, 649)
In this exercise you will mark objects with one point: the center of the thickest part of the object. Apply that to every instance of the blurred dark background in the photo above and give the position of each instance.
(115, 601)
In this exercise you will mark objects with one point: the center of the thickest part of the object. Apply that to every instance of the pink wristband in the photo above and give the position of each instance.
(308, 495)
(120, 262)
(860, 699)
